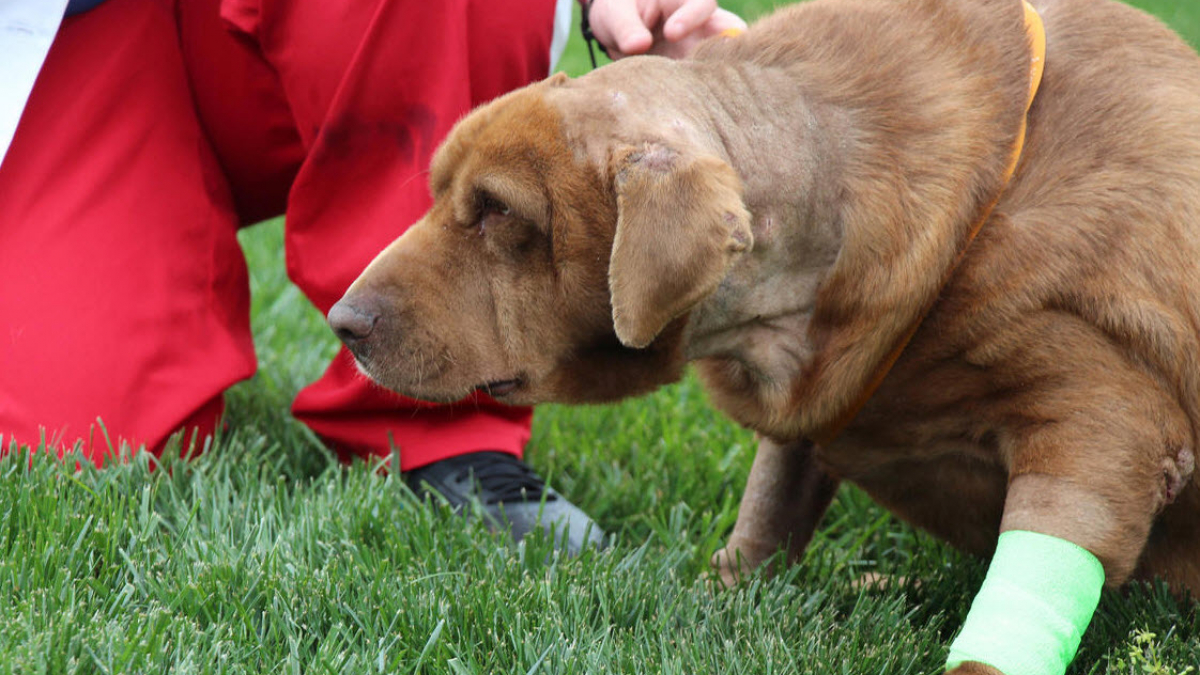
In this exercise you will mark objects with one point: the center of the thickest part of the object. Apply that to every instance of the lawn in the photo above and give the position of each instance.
(267, 556)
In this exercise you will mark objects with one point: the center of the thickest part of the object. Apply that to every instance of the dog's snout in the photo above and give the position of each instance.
(352, 321)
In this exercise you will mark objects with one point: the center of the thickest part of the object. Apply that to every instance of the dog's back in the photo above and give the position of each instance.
(1104, 209)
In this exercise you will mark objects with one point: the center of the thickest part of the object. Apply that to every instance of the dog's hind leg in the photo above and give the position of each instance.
(1173, 551)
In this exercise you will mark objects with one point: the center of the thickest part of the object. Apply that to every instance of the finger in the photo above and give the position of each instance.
(619, 27)
(691, 15)
(720, 22)
(723, 20)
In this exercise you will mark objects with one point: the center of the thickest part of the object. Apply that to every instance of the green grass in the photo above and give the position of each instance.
(267, 556)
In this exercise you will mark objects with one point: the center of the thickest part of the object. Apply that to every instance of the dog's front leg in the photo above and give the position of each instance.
(1064, 536)
(786, 495)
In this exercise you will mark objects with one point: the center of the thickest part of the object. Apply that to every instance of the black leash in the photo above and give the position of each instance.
(586, 27)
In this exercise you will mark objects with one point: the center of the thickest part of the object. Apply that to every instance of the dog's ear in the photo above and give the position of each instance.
(680, 224)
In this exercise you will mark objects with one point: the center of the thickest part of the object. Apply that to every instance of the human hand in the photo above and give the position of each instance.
(666, 27)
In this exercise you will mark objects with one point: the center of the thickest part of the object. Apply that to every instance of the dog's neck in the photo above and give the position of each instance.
(862, 180)
(784, 148)
(849, 203)
(910, 137)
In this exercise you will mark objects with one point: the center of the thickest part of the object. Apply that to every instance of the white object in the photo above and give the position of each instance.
(27, 29)
(562, 31)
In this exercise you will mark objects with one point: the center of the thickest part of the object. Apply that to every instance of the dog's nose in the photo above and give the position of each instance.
(352, 321)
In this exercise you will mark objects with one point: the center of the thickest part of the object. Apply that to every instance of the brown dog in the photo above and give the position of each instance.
(784, 208)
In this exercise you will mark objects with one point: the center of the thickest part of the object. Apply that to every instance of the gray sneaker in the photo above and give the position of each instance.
(508, 494)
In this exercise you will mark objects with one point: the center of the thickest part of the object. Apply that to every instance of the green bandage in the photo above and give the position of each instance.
(1038, 598)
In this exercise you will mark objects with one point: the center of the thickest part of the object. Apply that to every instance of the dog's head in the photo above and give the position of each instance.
(558, 262)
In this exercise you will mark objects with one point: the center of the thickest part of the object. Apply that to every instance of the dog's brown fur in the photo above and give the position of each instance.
(782, 207)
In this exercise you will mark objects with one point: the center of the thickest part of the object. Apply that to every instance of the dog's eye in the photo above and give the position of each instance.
(490, 206)
(487, 209)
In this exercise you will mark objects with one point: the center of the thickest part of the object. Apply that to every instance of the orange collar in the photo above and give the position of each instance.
(1037, 43)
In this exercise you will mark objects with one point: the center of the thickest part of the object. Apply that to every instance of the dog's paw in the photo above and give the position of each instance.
(728, 568)
(736, 563)
(973, 668)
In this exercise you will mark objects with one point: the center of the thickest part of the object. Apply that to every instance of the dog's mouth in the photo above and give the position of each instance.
(501, 388)
(497, 389)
